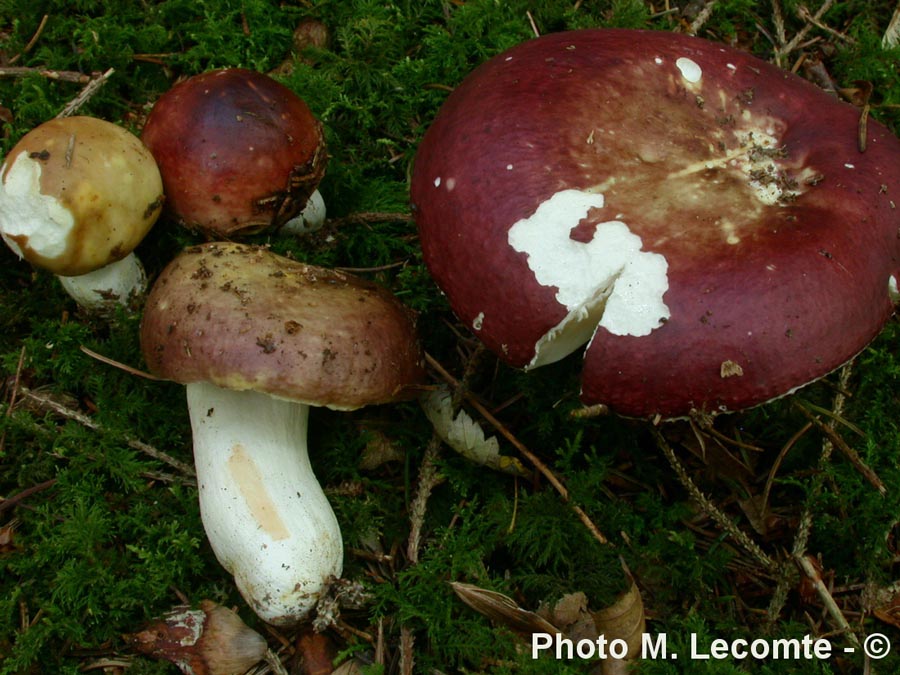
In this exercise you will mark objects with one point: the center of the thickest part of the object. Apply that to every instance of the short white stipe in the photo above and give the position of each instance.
(310, 218)
(25, 213)
(893, 291)
(608, 281)
(117, 283)
(478, 321)
(690, 70)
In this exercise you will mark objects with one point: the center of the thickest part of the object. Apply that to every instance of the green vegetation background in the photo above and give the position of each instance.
(115, 539)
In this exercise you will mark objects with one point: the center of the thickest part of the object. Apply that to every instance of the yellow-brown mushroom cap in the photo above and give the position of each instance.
(78, 193)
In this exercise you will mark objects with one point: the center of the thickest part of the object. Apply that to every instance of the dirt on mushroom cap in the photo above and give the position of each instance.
(242, 317)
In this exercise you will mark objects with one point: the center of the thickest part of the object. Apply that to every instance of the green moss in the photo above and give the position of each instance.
(116, 537)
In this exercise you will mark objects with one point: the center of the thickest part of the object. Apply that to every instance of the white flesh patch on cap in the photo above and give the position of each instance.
(26, 213)
(690, 70)
(608, 281)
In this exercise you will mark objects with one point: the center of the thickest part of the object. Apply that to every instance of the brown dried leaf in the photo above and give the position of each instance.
(624, 620)
(502, 609)
(757, 512)
(8, 536)
(211, 640)
(379, 450)
(316, 651)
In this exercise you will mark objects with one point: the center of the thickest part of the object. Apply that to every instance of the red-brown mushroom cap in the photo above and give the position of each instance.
(242, 317)
(238, 151)
(712, 213)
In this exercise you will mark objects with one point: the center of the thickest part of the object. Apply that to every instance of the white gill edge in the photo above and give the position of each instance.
(25, 212)
(265, 515)
(609, 281)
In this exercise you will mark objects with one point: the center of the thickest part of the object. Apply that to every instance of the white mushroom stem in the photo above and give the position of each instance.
(118, 283)
(310, 219)
(265, 514)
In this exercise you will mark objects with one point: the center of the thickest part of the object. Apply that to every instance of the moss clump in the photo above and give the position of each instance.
(97, 535)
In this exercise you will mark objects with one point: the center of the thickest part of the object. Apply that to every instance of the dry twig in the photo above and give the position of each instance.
(804, 529)
(10, 502)
(711, 509)
(91, 88)
(13, 394)
(49, 73)
(523, 450)
(49, 404)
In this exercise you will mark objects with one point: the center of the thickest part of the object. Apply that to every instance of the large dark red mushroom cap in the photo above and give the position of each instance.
(705, 220)
(238, 151)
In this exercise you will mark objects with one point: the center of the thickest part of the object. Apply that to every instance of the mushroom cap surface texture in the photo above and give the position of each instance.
(711, 215)
(238, 151)
(77, 194)
(242, 317)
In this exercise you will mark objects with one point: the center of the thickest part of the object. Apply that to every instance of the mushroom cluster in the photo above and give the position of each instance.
(258, 338)
(703, 221)
(239, 153)
(77, 195)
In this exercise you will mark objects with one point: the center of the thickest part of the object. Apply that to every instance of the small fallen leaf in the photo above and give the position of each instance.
(380, 449)
(624, 620)
(8, 536)
(211, 640)
(502, 609)
(465, 435)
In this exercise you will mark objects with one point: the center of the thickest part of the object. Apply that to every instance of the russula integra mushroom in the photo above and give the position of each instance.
(78, 194)
(705, 222)
(239, 153)
(258, 338)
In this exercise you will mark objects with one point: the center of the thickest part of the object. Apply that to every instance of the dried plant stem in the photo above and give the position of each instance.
(784, 50)
(825, 596)
(33, 41)
(836, 441)
(407, 660)
(273, 661)
(47, 403)
(523, 450)
(428, 479)
(804, 529)
(50, 74)
(13, 394)
(804, 14)
(91, 88)
(365, 217)
(10, 502)
(711, 509)
(702, 17)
